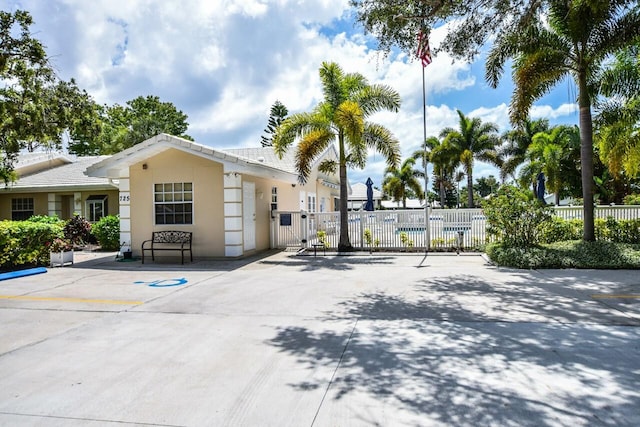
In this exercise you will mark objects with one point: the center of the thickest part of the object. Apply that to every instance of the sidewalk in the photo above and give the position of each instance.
(281, 340)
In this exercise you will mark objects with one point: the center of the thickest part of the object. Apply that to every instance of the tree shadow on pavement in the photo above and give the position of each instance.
(339, 263)
(463, 351)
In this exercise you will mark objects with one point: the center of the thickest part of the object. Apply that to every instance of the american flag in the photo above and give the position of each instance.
(424, 52)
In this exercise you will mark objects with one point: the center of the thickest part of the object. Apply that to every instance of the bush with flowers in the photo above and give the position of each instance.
(60, 245)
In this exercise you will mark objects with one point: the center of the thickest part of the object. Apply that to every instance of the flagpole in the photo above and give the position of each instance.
(426, 176)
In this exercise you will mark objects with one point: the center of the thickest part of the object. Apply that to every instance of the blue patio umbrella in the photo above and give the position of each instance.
(540, 187)
(369, 205)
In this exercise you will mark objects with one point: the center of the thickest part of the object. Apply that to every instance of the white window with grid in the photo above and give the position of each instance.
(311, 202)
(173, 203)
(274, 198)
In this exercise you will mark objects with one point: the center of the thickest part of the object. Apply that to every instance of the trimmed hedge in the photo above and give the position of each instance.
(107, 232)
(26, 243)
(569, 254)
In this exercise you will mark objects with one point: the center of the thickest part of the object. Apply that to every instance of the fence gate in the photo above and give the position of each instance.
(289, 229)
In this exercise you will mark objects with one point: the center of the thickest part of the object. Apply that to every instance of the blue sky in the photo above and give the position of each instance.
(225, 62)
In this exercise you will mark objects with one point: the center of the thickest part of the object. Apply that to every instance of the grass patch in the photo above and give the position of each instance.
(568, 254)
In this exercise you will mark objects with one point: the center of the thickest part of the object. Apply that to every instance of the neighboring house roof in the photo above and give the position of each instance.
(117, 165)
(28, 163)
(359, 192)
(61, 175)
(267, 156)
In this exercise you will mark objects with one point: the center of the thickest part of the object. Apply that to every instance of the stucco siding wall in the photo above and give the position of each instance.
(173, 166)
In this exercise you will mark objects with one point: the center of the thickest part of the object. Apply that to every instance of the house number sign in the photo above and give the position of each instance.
(125, 198)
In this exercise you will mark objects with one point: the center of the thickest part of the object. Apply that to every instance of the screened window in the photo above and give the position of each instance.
(173, 203)
(274, 198)
(96, 207)
(21, 208)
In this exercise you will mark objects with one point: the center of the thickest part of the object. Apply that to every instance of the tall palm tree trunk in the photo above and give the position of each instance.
(470, 188)
(586, 157)
(344, 244)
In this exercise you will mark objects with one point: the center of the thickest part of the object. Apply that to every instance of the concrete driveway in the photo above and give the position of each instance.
(281, 340)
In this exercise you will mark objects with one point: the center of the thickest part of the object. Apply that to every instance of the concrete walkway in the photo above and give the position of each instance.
(280, 340)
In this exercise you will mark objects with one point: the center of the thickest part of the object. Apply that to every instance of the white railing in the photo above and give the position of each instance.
(617, 212)
(403, 229)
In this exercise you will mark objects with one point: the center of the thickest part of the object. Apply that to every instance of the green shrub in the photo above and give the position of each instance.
(45, 219)
(558, 229)
(568, 254)
(618, 231)
(322, 238)
(515, 217)
(78, 231)
(25, 243)
(631, 199)
(368, 237)
(405, 240)
(107, 232)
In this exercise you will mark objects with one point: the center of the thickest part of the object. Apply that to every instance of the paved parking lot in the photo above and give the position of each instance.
(281, 340)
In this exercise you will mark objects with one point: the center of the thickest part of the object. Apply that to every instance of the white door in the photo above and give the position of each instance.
(249, 215)
(303, 201)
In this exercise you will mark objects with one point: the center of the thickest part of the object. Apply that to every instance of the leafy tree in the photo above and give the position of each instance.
(403, 182)
(397, 23)
(472, 140)
(486, 185)
(573, 39)
(348, 100)
(517, 142)
(277, 115)
(124, 126)
(516, 218)
(36, 107)
(618, 122)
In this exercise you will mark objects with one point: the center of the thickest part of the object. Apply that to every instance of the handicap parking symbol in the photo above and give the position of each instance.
(163, 283)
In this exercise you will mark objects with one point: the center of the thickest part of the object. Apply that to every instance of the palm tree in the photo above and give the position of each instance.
(518, 140)
(348, 100)
(472, 140)
(444, 164)
(399, 183)
(619, 119)
(551, 153)
(573, 40)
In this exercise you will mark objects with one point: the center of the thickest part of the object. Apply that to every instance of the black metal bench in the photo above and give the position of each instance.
(168, 241)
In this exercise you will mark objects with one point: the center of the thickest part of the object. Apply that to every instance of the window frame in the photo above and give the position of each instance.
(172, 208)
(274, 198)
(312, 202)
(14, 210)
(94, 200)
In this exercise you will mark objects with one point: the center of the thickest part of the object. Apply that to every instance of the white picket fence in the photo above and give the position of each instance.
(404, 229)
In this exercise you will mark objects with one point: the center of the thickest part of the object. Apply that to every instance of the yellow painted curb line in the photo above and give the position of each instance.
(85, 300)
(614, 296)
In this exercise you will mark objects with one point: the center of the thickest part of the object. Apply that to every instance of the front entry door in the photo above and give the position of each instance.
(249, 215)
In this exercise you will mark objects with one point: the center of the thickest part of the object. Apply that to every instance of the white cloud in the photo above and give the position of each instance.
(225, 62)
(549, 112)
(498, 115)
